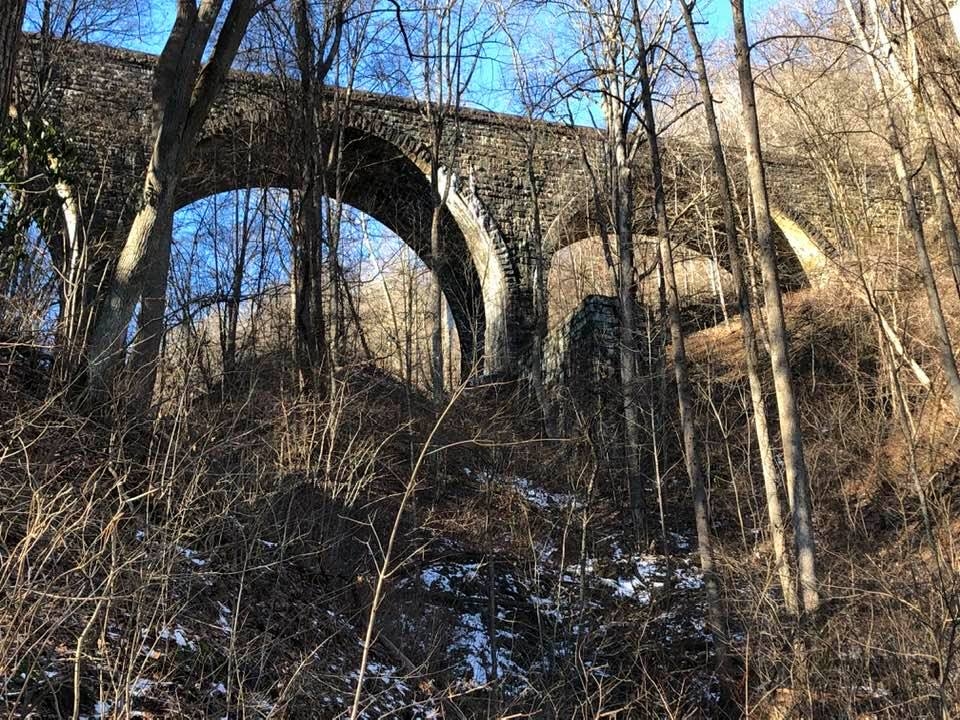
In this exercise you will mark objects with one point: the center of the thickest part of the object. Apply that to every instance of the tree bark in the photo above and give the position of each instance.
(622, 172)
(791, 435)
(183, 92)
(771, 483)
(11, 23)
(716, 615)
(436, 332)
(145, 352)
(540, 299)
(311, 354)
(911, 212)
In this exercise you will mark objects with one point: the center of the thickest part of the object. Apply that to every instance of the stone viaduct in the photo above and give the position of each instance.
(100, 98)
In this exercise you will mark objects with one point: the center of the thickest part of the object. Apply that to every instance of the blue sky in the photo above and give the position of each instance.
(156, 19)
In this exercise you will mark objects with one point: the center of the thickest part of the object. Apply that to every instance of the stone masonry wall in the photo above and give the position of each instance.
(101, 97)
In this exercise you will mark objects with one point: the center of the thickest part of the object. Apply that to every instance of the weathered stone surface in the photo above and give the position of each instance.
(100, 96)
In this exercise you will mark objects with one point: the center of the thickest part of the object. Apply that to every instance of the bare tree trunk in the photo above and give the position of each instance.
(183, 92)
(231, 313)
(908, 197)
(338, 287)
(436, 333)
(621, 178)
(791, 435)
(145, 351)
(540, 298)
(78, 290)
(11, 22)
(914, 88)
(311, 351)
(771, 482)
(716, 615)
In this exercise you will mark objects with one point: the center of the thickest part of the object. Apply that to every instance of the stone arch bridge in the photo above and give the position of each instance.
(100, 97)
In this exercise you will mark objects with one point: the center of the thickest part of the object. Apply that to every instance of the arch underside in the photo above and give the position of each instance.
(377, 179)
(797, 264)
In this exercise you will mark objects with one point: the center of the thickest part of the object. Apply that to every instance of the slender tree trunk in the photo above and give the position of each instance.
(11, 22)
(771, 482)
(915, 89)
(716, 615)
(911, 212)
(540, 292)
(338, 287)
(791, 435)
(948, 225)
(78, 291)
(436, 333)
(235, 296)
(621, 172)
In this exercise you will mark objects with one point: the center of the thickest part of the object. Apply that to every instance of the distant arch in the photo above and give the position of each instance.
(802, 259)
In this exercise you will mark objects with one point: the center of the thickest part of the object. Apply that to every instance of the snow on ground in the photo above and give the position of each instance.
(471, 644)
(534, 495)
(635, 576)
(612, 577)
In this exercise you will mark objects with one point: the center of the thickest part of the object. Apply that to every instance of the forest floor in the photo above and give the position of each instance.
(221, 561)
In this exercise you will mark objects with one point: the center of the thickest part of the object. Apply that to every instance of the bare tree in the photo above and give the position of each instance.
(771, 480)
(867, 25)
(444, 43)
(791, 435)
(612, 57)
(183, 92)
(311, 352)
(11, 20)
(692, 443)
(536, 97)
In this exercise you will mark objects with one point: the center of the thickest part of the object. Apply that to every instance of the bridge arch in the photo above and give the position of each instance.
(802, 257)
(383, 173)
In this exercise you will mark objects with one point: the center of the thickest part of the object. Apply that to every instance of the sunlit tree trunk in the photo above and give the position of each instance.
(183, 92)
(692, 443)
(144, 357)
(771, 481)
(901, 164)
(791, 435)
(540, 298)
(436, 254)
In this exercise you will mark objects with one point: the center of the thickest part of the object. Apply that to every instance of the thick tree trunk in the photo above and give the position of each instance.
(183, 92)
(129, 275)
(311, 354)
(11, 22)
(791, 435)
(771, 481)
(144, 358)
